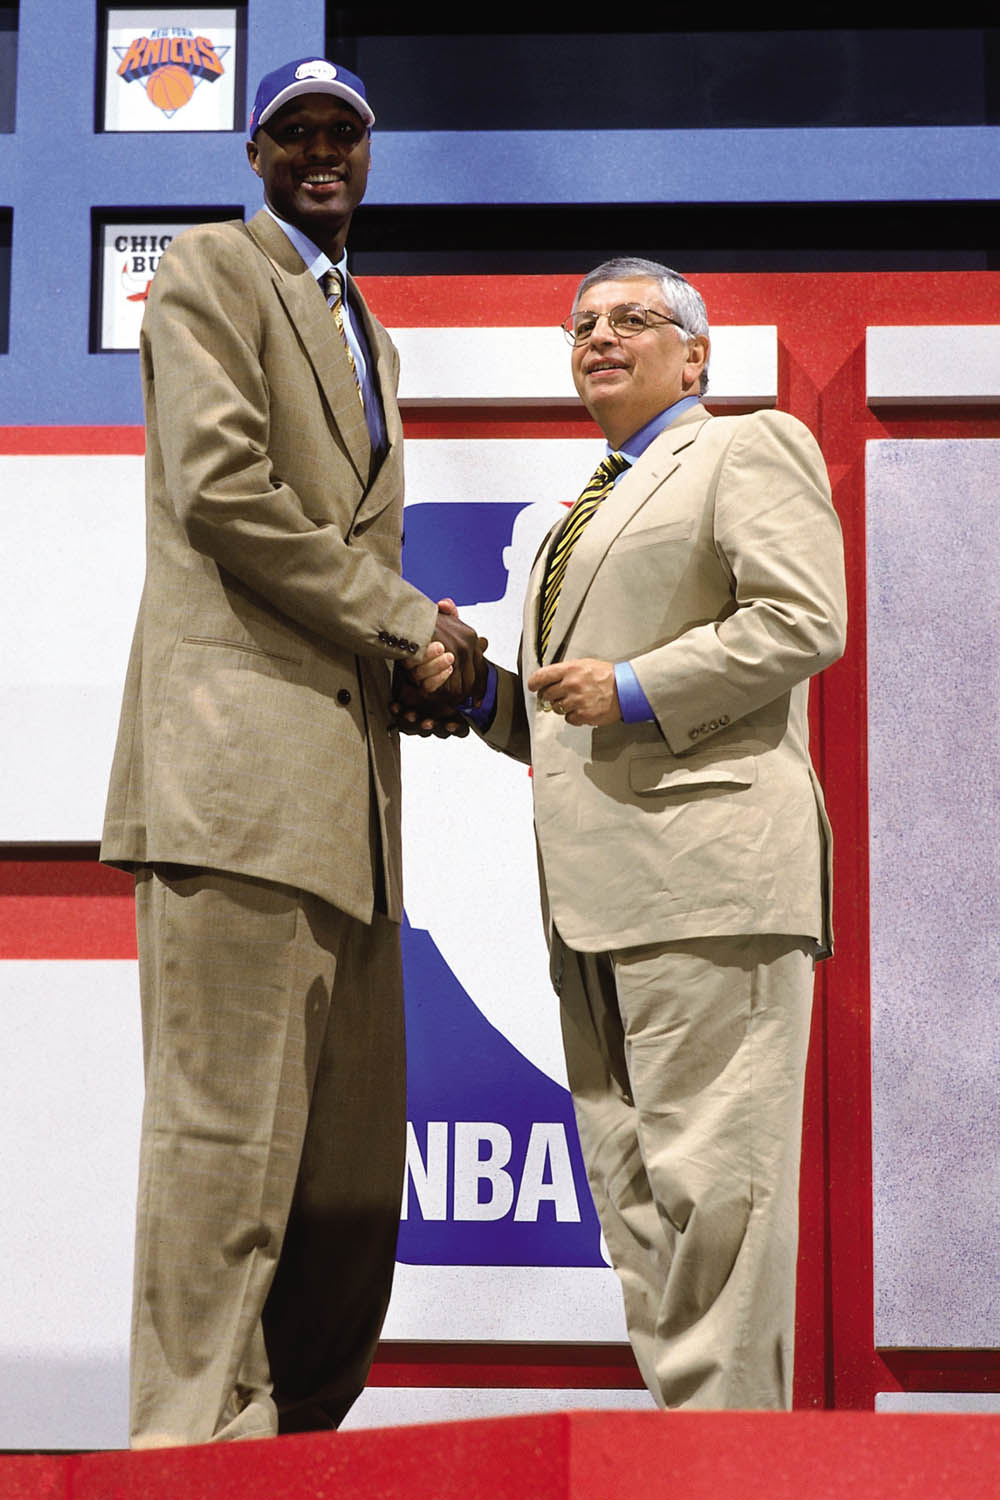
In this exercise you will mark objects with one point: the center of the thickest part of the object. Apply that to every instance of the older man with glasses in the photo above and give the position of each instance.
(671, 625)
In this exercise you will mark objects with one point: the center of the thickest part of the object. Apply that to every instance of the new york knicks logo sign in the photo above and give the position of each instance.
(170, 63)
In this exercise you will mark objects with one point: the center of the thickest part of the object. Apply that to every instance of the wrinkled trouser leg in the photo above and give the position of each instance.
(687, 1062)
(274, 1123)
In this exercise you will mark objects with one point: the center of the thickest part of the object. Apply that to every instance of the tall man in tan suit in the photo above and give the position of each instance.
(684, 848)
(255, 792)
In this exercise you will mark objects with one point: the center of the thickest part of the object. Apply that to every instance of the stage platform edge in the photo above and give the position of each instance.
(558, 1456)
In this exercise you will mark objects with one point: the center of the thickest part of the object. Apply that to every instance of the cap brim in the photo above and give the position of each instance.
(318, 86)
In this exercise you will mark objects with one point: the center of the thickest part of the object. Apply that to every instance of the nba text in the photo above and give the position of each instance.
(482, 1177)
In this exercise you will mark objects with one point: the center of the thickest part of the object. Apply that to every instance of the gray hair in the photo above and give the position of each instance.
(684, 301)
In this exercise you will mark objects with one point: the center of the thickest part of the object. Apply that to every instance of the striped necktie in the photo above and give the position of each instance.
(334, 293)
(598, 487)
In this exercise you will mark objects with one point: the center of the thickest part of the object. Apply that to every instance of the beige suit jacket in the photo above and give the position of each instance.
(254, 730)
(716, 568)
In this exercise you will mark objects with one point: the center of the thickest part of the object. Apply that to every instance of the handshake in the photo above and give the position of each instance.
(452, 671)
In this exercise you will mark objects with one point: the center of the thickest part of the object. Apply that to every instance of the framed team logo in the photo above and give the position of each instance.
(127, 251)
(172, 68)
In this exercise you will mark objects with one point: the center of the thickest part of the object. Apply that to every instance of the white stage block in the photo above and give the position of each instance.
(531, 366)
(70, 617)
(385, 1406)
(70, 1110)
(933, 366)
(72, 534)
(977, 1403)
(510, 1304)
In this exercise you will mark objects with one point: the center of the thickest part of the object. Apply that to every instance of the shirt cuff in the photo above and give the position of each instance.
(631, 699)
(482, 716)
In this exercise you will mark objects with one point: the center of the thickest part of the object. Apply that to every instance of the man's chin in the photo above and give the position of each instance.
(603, 403)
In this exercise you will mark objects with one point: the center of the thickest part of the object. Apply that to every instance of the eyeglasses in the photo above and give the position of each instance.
(626, 320)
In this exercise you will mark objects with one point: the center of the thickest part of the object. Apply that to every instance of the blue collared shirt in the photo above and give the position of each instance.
(317, 264)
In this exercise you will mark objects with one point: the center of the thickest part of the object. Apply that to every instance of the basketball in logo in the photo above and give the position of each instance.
(169, 87)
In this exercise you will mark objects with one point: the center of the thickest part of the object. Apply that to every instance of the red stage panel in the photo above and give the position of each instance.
(34, 1478)
(65, 908)
(73, 440)
(518, 1459)
(570, 1456)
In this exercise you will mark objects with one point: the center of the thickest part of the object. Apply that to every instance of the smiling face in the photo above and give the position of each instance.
(624, 383)
(313, 157)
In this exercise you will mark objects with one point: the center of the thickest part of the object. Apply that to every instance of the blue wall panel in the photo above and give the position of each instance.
(55, 168)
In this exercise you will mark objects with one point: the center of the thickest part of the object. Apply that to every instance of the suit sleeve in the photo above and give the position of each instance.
(508, 730)
(778, 539)
(201, 345)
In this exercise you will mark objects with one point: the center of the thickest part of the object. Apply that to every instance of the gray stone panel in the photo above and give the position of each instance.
(933, 555)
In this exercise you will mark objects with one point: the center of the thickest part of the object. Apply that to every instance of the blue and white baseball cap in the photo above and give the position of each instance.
(307, 75)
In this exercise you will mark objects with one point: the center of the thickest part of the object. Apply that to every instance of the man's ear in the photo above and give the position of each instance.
(253, 156)
(698, 352)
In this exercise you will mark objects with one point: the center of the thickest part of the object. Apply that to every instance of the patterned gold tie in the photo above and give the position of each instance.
(599, 486)
(334, 292)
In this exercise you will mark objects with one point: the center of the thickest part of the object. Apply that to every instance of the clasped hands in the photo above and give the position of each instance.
(453, 670)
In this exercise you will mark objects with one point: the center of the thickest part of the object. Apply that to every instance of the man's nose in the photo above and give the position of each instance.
(326, 144)
(602, 331)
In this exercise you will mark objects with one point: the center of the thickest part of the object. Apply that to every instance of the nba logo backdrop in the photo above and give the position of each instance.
(494, 1175)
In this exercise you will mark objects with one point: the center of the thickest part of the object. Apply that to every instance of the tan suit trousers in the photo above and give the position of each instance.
(686, 1061)
(272, 1156)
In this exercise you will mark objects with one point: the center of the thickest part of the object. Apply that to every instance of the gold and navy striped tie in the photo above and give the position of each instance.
(334, 292)
(597, 489)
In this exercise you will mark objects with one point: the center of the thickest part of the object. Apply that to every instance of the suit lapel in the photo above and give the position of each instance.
(307, 310)
(384, 358)
(654, 468)
(385, 485)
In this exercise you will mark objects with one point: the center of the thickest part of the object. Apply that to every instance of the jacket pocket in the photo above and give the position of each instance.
(653, 773)
(245, 646)
(652, 536)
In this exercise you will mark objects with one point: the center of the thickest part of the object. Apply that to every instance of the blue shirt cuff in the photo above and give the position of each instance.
(482, 716)
(631, 699)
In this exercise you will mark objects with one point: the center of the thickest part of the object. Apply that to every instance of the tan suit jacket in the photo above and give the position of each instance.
(716, 568)
(254, 730)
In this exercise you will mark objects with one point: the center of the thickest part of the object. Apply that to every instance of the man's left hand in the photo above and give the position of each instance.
(582, 691)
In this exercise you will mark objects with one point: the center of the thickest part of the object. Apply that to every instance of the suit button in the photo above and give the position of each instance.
(694, 734)
(383, 637)
(343, 696)
(412, 647)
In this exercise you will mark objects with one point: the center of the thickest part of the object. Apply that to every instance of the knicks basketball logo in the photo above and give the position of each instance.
(170, 63)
